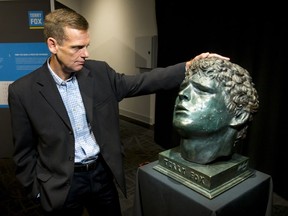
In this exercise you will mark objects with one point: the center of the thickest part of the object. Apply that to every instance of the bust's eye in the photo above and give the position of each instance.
(202, 88)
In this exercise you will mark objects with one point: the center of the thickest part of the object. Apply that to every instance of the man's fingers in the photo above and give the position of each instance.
(205, 55)
(218, 56)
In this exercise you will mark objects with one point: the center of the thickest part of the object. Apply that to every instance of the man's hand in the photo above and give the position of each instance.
(205, 55)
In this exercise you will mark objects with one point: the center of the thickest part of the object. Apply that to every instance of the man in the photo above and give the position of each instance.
(216, 101)
(65, 121)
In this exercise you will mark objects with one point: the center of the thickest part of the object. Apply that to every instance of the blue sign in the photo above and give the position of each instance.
(36, 19)
(17, 60)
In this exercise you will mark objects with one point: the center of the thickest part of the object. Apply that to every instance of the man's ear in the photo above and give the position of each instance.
(52, 45)
(239, 119)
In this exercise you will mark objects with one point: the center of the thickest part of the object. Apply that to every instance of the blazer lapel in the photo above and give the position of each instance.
(85, 82)
(49, 91)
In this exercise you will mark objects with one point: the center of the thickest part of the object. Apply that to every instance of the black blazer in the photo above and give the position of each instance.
(42, 133)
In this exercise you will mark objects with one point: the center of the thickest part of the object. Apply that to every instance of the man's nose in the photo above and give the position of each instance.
(85, 53)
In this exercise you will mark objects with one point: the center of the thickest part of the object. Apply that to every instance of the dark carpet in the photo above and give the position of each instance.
(139, 148)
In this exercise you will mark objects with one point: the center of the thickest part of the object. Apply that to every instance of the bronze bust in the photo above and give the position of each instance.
(216, 101)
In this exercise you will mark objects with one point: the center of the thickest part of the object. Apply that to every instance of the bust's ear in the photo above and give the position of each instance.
(239, 119)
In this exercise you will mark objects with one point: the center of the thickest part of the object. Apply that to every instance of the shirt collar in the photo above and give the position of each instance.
(56, 78)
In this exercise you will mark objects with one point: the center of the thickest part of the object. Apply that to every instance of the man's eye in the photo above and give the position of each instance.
(78, 47)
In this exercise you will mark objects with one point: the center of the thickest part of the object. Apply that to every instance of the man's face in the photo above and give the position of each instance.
(71, 54)
(200, 108)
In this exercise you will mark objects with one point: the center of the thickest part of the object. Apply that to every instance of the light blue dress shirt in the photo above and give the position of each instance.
(86, 147)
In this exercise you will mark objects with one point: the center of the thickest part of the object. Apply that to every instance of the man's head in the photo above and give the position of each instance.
(67, 37)
(216, 101)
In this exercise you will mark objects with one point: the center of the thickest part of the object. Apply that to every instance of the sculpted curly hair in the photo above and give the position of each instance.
(240, 93)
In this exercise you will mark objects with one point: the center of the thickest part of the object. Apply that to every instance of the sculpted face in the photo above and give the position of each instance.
(200, 107)
(215, 102)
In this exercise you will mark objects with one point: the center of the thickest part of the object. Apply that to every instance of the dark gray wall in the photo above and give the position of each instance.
(6, 145)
